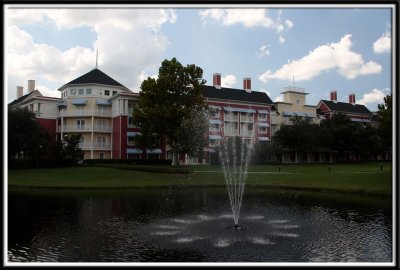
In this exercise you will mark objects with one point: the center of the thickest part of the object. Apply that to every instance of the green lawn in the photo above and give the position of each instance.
(354, 178)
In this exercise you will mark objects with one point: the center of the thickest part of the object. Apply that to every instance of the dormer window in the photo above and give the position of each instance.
(115, 92)
(73, 91)
(88, 91)
(106, 92)
(80, 91)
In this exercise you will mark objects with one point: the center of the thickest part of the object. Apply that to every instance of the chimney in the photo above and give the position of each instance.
(31, 86)
(20, 91)
(247, 84)
(333, 96)
(352, 99)
(217, 80)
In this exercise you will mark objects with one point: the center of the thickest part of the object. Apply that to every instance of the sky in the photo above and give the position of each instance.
(320, 49)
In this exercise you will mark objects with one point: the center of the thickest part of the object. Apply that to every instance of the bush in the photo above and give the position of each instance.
(20, 164)
(128, 161)
(147, 168)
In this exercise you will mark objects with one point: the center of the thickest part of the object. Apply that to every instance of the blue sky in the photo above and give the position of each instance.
(323, 49)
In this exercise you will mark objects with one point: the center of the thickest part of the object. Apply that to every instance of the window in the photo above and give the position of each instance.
(115, 92)
(131, 140)
(88, 91)
(82, 142)
(101, 155)
(130, 122)
(99, 92)
(262, 116)
(106, 92)
(214, 127)
(101, 141)
(73, 91)
(214, 142)
(80, 91)
(131, 107)
(262, 129)
(38, 109)
(80, 124)
(250, 127)
(133, 156)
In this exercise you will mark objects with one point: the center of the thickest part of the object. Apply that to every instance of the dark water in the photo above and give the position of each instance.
(183, 224)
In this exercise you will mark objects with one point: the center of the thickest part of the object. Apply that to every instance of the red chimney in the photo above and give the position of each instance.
(247, 84)
(352, 98)
(217, 80)
(333, 96)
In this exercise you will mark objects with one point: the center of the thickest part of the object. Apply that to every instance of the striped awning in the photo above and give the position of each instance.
(154, 151)
(79, 101)
(103, 102)
(215, 121)
(232, 109)
(215, 137)
(356, 119)
(311, 115)
(263, 124)
(263, 139)
(284, 113)
(263, 111)
(134, 151)
(133, 134)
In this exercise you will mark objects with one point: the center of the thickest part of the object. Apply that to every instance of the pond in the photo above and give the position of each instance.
(183, 224)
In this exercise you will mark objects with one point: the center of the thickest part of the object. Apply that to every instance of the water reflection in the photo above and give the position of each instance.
(186, 225)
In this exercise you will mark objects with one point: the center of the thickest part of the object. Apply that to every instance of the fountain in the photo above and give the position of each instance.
(235, 156)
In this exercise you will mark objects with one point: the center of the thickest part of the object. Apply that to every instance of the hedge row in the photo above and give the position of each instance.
(19, 164)
(147, 168)
(128, 161)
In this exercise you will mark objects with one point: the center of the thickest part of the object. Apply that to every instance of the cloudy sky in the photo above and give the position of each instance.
(319, 49)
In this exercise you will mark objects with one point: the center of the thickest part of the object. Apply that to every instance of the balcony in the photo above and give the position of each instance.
(77, 113)
(247, 119)
(74, 128)
(230, 117)
(95, 146)
(247, 133)
(85, 128)
(102, 129)
(231, 132)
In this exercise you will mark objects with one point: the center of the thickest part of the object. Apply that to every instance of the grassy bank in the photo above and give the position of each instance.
(363, 178)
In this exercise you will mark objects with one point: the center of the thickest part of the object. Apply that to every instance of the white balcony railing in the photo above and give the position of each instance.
(73, 113)
(95, 146)
(229, 117)
(232, 132)
(248, 119)
(84, 128)
(102, 129)
(247, 132)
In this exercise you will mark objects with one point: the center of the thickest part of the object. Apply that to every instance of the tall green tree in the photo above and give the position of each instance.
(25, 135)
(385, 121)
(168, 105)
(71, 148)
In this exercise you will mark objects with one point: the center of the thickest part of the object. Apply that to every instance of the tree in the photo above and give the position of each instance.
(170, 104)
(25, 135)
(71, 149)
(340, 134)
(191, 137)
(385, 121)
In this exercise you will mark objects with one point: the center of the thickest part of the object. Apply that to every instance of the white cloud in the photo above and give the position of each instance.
(228, 81)
(375, 96)
(282, 39)
(337, 56)
(129, 41)
(250, 18)
(278, 99)
(289, 23)
(383, 44)
(263, 51)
